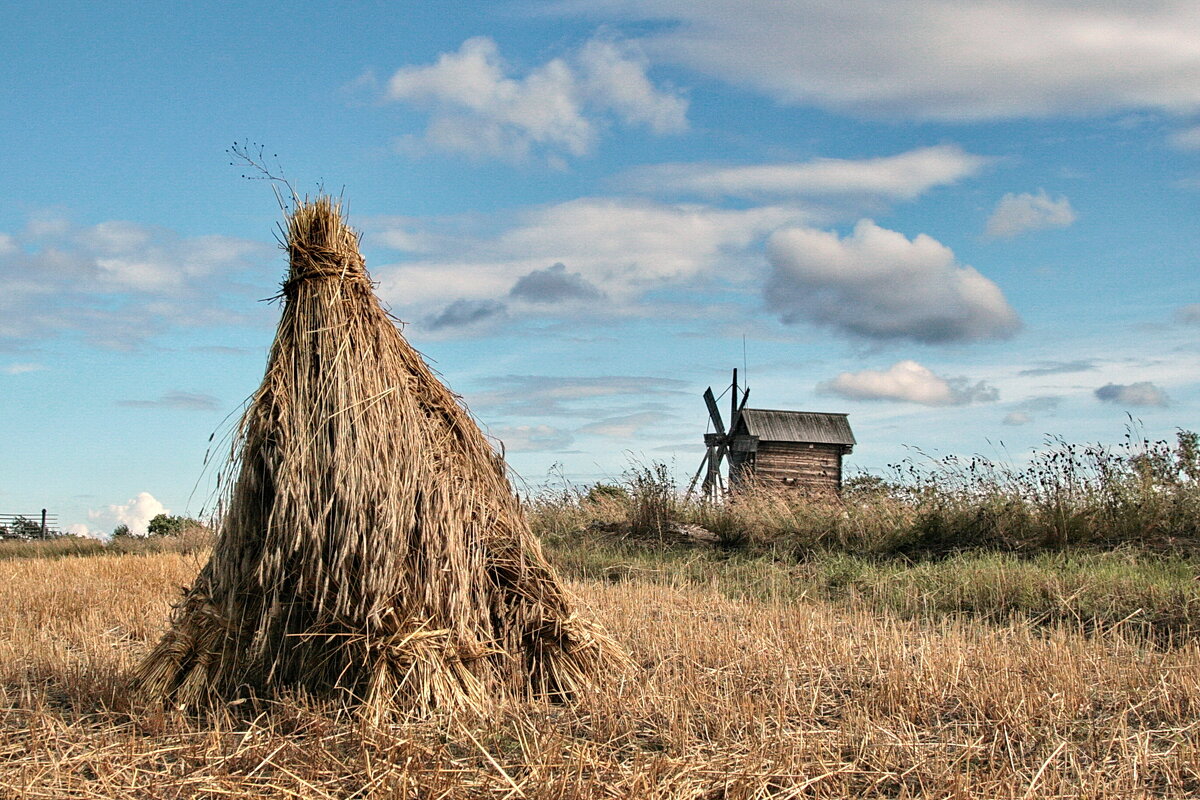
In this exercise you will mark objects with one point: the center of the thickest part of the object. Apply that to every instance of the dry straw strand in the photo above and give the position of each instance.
(372, 548)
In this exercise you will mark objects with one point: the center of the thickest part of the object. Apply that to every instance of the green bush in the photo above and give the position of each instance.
(605, 492)
(653, 500)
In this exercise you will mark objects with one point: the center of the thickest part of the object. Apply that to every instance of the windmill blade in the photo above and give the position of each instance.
(715, 463)
(696, 477)
(713, 411)
(710, 474)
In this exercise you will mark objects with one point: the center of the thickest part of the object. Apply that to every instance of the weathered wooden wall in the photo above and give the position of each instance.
(809, 467)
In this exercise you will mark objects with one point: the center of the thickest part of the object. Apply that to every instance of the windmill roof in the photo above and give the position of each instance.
(797, 426)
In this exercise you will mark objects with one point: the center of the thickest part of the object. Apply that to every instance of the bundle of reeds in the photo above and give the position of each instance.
(371, 546)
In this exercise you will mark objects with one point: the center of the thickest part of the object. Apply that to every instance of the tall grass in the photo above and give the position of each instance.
(191, 540)
(1140, 493)
(1084, 536)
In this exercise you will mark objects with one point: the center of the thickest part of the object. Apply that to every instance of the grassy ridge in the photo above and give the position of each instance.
(1140, 494)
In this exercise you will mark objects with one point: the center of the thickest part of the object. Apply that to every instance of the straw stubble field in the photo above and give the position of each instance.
(748, 698)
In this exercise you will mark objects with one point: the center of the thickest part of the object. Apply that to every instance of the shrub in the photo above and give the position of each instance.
(653, 499)
(603, 492)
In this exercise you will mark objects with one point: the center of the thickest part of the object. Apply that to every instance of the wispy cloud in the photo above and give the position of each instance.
(120, 282)
(554, 284)
(464, 313)
(623, 427)
(1039, 403)
(1059, 367)
(898, 177)
(186, 401)
(531, 438)
(21, 369)
(588, 258)
(923, 60)
(1186, 139)
(544, 395)
(1189, 314)
(1020, 213)
(1022, 412)
(1142, 393)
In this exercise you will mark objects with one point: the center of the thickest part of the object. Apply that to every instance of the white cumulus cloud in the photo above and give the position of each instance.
(1017, 213)
(136, 513)
(478, 109)
(910, 382)
(79, 529)
(878, 284)
(614, 78)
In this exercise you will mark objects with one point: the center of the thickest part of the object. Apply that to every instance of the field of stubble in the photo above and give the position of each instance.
(736, 698)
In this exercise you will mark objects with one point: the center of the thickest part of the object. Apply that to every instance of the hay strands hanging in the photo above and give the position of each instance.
(371, 547)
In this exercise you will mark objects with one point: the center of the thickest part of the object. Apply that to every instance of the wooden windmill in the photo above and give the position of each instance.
(720, 444)
(798, 451)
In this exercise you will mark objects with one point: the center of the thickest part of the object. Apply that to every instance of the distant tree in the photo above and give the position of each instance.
(167, 525)
(122, 530)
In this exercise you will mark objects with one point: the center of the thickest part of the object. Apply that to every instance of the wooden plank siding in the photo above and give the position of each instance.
(797, 450)
(805, 465)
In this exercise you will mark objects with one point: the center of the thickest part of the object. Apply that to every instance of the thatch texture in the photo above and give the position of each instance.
(371, 546)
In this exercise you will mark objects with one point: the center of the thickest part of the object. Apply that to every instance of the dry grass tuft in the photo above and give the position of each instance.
(371, 550)
(736, 700)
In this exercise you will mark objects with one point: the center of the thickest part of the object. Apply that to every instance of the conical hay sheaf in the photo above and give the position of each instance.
(371, 545)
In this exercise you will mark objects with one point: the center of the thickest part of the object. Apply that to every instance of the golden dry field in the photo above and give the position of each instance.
(733, 698)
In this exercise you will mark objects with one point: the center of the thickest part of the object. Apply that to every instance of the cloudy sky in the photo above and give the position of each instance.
(968, 224)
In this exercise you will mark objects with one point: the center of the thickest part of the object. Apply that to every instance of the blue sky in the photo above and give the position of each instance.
(968, 225)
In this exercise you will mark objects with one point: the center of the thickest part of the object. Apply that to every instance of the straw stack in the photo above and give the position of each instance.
(371, 548)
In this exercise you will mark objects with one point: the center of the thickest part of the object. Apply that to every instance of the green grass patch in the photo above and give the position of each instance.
(1155, 596)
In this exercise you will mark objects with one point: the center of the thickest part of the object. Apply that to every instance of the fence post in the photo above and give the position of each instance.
(43, 523)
